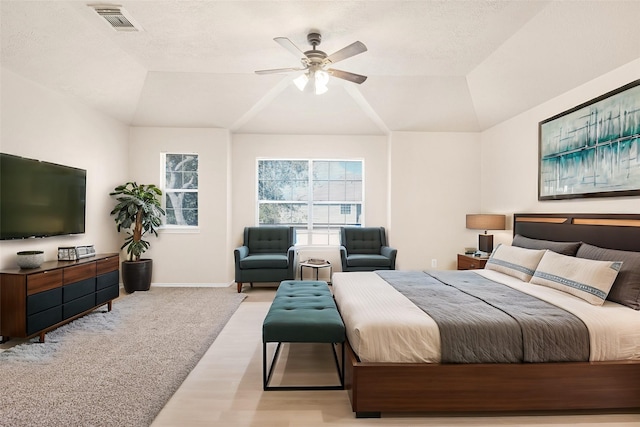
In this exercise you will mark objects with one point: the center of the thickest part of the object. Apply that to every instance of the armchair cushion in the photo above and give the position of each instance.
(265, 261)
(268, 239)
(361, 260)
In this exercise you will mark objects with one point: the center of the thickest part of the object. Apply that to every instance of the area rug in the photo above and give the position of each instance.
(115, 368)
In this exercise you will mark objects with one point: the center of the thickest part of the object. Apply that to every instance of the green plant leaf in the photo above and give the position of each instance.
(133, 200)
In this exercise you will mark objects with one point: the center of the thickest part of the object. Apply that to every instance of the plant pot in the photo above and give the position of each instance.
(136, 275)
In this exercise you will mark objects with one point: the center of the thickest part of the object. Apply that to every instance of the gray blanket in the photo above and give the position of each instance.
(482, 321)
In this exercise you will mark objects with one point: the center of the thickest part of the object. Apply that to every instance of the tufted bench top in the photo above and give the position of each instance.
(303, 311)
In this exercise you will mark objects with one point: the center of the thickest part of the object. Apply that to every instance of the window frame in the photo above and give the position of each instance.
(180, 228)
(310, 202)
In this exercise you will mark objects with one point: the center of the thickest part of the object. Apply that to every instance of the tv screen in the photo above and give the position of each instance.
(40, 199)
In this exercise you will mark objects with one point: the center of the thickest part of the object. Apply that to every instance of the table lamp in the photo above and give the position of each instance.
(485, 222)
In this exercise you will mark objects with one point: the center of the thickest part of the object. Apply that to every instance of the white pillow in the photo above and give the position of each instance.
(584, 278)
(518, 262)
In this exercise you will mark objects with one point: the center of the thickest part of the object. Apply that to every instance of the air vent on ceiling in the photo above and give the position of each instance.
(116, 17)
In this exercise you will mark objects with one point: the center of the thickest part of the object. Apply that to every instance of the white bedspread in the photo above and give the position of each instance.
(384, 326)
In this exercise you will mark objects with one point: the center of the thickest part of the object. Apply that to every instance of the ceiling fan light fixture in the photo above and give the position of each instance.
(313, 81)
(321, 78)
(301, 81)
(315, 63)
(319, 89)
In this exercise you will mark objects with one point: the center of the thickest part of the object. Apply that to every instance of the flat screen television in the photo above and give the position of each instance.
(40, 199)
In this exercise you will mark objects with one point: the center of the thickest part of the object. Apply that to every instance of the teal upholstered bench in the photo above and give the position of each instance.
(303, 311)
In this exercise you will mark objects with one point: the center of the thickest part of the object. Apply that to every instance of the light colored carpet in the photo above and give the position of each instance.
(117, 368)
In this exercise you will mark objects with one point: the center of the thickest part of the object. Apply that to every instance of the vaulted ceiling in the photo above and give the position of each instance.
(431, 65)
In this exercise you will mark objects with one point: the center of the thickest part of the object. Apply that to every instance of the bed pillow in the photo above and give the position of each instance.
(626, 288)
(518, 262)
(584, 278)
(564, 248)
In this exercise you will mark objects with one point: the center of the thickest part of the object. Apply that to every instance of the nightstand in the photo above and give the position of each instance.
(470, 262)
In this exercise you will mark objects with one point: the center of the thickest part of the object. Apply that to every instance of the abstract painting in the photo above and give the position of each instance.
(592, 150)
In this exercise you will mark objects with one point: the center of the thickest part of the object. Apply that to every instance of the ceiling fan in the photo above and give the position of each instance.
(315, 63)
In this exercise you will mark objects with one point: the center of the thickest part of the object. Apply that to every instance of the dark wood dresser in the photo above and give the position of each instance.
(35, 301)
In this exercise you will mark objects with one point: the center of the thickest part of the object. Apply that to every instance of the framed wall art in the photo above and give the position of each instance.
(592, 150)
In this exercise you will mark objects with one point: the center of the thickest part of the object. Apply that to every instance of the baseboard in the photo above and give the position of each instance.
(192, 285)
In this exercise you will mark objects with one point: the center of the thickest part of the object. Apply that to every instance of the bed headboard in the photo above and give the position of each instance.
(612, 231)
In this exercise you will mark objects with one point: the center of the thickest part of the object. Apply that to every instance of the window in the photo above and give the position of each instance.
(180, 189)
(315, 196)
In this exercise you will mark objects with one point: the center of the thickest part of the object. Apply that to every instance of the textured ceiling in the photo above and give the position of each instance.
(432, 65)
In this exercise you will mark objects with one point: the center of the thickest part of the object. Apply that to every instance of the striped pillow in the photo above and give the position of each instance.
(584, 278)
(518, 262)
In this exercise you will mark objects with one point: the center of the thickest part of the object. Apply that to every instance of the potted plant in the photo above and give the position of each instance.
(138, 212)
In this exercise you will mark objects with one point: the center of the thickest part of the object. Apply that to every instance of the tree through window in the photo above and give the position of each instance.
(181, 189)
(315, 196)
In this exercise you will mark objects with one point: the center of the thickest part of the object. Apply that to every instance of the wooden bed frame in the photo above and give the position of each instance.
(440, 388)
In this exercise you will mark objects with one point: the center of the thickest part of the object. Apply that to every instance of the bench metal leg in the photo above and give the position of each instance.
(338, 364)
(266, 374)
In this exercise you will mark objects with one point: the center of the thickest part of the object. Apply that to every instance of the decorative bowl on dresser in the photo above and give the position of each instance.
(30, 259)
(35, 301)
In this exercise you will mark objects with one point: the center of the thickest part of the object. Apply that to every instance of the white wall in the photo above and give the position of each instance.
(434, 184)
(200, 257)
(44, 125)
(510, 157)
(247, 148)
(418, 185)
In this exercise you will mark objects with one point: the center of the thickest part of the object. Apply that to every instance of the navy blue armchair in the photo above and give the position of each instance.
(267, 255)
(366, 249)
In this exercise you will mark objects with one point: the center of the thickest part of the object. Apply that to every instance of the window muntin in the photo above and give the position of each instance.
(315, 196)
(180, 189)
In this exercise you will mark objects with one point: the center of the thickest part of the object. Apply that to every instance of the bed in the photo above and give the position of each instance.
(402, 376)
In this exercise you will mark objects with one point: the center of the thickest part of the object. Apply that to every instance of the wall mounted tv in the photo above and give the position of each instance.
(40, 199)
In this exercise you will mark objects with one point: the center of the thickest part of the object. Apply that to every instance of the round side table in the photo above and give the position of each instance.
(317, 264)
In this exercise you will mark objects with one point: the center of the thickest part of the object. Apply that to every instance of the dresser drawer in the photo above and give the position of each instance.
(78, 289)
(46, 280)
(110, 279)
(471, 262)
(44, 319)
(43, 300)
(78, 305)
(107, 294)
(108, 264)
(79, 272)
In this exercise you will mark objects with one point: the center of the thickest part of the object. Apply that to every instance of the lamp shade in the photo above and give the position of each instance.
(314, 81)
(485, 222)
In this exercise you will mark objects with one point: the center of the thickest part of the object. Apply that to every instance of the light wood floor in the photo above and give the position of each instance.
(225, 388)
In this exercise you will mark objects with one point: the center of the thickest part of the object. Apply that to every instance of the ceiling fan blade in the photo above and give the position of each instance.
(352, 77)
(288, 44)
(347, 52)
(279, 70)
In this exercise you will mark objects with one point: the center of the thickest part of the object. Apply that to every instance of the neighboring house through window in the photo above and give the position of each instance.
(315, 196)
(180, 189)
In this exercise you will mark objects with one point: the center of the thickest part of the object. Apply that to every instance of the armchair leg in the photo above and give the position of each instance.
(239, 286)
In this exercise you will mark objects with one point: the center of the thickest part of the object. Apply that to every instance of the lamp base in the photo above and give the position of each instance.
(485, 243)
